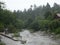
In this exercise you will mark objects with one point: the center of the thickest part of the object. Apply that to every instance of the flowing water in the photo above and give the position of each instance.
(31, 39)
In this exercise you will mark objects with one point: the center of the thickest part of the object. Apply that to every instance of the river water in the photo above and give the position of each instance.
(31, 39)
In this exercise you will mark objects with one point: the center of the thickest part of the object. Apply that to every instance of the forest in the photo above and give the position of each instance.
(44, 18)
(41, 18)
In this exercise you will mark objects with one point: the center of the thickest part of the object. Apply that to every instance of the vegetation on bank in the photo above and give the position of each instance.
(42, 18)
(1, 43)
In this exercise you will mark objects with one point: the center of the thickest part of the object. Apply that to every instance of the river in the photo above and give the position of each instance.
(31, 39)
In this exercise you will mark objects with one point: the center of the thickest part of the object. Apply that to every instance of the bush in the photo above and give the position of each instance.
(43, 23)
(12, 29)
(1, 27)
(54, 24)
(57, 31)
(35, 26)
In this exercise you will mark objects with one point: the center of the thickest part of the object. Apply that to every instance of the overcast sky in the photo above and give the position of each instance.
(22, 4)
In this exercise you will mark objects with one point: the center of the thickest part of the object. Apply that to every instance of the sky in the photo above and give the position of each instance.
(25, 4)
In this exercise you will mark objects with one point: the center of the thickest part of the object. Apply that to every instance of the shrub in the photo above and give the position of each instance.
(57, 31)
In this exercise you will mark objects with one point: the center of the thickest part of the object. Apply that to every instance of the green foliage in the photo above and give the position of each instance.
(1, 27)
(35, 26)
(43, 23)
(28, 23)
(42, 17)
(57, 31)
(1, 43)
(8, 20)
(53, 25)
(11, 28)
(19, 24)
(16, 35)
(48, 15)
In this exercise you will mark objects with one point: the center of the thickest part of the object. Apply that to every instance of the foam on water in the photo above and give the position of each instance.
(31, 39)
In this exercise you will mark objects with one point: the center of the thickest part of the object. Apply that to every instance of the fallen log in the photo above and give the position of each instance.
(23, 42)
(8, 37)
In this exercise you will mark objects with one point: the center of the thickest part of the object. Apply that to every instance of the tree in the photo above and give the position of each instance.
(35, 6)
(48, 15)
(28, 22)
(1, 7)
(48, 8)
(35, 26)
(56, 8)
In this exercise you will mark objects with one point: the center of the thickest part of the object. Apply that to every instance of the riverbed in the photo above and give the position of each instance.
(36, 38)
